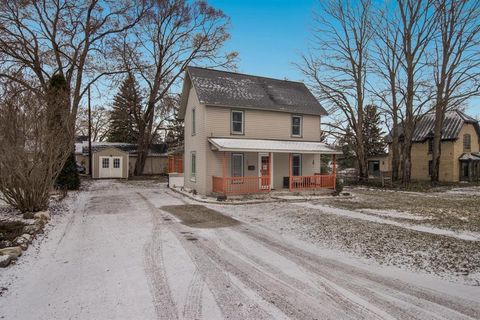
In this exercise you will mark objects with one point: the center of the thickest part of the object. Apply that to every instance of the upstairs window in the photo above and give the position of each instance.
(296, 126)
(237, 122)
(467, 143)
(194, 128)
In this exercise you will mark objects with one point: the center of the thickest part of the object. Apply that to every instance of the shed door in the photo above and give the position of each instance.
(111, 167)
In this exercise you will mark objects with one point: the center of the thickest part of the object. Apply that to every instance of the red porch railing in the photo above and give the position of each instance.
(175, 163)
(241, 185)
(312, 182)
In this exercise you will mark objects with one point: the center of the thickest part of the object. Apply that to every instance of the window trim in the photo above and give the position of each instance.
(243, 164)
(105, 162)
(193, 174)
(232, 132)
(299, 164)
(194, 121)
(469, 149)
(300, 135)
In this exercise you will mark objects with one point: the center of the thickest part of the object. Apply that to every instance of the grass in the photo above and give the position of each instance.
(457, 211)
(197, 216)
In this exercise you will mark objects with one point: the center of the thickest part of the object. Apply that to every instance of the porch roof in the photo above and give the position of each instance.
(278, 146)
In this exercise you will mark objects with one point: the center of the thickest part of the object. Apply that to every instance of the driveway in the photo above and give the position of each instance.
(121, 255)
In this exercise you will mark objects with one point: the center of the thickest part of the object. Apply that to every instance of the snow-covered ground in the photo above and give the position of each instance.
(119, 255)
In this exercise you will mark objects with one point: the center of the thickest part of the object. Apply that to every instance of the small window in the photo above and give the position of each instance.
(296, 126)
(430, 168)
(297, 165)
(194, 128)
(237, 122)
(116, 163)
(237, 165)
(430, 146)
(467, 143)
(105, 163)
(193, 167)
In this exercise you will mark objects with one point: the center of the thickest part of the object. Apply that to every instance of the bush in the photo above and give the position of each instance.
(338, 185)
(68, 178)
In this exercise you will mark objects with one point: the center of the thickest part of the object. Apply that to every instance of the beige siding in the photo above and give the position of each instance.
(196, 143)
(109, 152)
(261, 124)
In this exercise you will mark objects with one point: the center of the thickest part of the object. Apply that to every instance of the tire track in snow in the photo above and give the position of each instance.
(417, 302)
(154, 265)
(230, 299)
(193, 306)
(356, 306)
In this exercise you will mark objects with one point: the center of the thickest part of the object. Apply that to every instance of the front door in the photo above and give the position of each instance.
(265, 171)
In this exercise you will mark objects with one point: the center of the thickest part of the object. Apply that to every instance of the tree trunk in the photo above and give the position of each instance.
(437, 141)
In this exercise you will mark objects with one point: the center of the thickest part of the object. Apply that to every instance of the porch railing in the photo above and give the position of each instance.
(312, 182)
(241, 185)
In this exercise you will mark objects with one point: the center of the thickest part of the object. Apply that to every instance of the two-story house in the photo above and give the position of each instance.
(460, 145)
(248, 134)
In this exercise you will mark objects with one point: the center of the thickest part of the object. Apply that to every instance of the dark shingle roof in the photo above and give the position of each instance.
(155, 149)
(454, 120)
(223, 88)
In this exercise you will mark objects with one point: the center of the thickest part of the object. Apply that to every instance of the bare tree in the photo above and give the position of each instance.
(337, 67)
(35, 141)
(456, 65)
(39, 38)
(173, 34)
(386, 65)
(100, 121)
(416, 26)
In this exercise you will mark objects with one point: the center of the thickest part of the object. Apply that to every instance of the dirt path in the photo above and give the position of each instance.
(119, 255)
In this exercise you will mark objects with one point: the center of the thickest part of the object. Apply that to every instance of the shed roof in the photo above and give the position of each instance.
(279, 146)
(229, 89)
(155, 149)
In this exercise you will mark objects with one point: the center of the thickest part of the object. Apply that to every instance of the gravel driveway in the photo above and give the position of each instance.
(121, 255)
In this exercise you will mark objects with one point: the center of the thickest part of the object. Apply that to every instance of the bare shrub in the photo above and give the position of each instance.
(35, 140)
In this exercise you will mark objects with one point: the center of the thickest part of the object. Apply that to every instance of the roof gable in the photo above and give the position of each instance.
(454, 121)
(228, 89)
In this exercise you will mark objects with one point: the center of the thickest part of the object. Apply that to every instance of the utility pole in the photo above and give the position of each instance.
(90, 169)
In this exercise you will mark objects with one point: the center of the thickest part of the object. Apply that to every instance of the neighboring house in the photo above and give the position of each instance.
(460, 145)
(247, 134)
(378, 164)
(117, 160)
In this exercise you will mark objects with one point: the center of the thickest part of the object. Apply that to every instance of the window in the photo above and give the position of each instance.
(296, 126)
(194, 128)
(467, 143)
(430, 168)
(430, 146)
(297, 165)
(105, 163)
(193, 166)
(116, 163)
(237, 165)
(237, 122)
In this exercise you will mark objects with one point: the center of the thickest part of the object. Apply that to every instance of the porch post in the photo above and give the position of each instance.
(224, 172)
(289, 172)
(334, 171)
(270, 170)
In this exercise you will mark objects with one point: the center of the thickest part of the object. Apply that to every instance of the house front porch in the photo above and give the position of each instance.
(248, 166)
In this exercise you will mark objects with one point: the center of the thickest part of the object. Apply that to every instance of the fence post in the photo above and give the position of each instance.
(334, 172)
